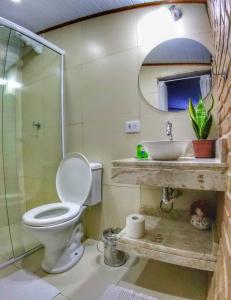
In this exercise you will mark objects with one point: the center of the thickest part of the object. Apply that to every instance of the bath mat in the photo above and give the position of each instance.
(23, 285)
(115, 292)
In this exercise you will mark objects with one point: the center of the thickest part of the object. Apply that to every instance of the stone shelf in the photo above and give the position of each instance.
(175, 242)
(185, 173)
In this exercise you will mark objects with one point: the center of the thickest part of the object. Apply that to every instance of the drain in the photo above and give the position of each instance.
(158, 238)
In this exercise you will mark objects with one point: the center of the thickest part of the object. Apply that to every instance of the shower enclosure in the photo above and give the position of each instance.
(31, 131)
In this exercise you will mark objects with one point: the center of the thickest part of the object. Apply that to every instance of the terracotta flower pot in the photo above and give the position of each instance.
(204, 148)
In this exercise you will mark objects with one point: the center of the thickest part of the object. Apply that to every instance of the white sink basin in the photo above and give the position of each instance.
(165, 150)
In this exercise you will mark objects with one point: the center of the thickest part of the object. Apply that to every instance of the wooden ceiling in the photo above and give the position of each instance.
(42, 15)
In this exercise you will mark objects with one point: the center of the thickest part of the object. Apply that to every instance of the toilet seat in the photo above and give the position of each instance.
(73, 185)
(51, 214)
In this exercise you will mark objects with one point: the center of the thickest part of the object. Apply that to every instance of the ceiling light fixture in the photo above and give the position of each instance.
(176, 12)
(3, 81)
(11, 83)
(14, 84)
(16, 1)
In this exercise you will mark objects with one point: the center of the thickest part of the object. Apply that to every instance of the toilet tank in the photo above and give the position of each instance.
(95, 195)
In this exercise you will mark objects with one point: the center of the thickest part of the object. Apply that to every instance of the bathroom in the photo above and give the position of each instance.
(77, 82)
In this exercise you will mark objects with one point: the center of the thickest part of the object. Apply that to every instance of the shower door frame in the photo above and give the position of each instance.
(13, 26)
(53, 47)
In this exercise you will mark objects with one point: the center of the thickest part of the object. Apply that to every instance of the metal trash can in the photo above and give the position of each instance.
(112, 256)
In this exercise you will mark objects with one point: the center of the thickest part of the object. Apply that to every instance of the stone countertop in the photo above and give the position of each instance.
(185, 173)
(182, 163)
(172, 241)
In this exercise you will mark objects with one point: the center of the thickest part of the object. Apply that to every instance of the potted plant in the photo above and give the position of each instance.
(202, 122)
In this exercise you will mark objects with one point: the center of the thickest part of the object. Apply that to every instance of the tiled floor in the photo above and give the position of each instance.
(90, 277)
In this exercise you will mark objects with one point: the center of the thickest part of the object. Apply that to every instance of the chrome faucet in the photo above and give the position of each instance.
(169, 130)
(168, 197)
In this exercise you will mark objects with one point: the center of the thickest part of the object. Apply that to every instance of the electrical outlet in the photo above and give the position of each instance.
(132, 126)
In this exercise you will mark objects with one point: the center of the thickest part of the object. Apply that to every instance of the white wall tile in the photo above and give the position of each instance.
(74, 83)
(110, 87)
(104, 92)
(109, 34)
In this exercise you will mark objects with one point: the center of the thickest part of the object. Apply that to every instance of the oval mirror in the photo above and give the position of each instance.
(175, 71)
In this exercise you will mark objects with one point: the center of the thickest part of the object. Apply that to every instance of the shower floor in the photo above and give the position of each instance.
(22, 242)
(5, 248)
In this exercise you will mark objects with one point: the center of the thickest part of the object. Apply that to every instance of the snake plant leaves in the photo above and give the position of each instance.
(212, 104)
(206, 128)
(196, 129)
(201, 118)
(192, 111)
(201, 115)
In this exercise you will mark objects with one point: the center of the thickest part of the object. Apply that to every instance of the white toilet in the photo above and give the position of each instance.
(55, 225)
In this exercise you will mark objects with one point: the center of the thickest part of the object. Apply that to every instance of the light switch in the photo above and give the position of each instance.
(132, 126)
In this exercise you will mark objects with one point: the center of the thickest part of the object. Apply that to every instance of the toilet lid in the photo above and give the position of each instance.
(74, 179)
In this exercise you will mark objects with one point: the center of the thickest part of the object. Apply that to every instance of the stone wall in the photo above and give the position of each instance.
(220, 16)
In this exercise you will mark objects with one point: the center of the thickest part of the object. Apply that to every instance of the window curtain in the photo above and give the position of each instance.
(205, 85)
(162, 96)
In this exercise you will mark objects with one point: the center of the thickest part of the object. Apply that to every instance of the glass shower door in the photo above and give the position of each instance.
(5, 239)
(12, 142)
(32, 143)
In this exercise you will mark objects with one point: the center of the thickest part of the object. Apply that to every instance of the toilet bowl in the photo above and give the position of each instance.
(56, 226)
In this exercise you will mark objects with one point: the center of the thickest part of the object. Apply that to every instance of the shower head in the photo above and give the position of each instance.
(176, 12)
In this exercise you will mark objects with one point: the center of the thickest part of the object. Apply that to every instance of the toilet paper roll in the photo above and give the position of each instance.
(135, 226)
